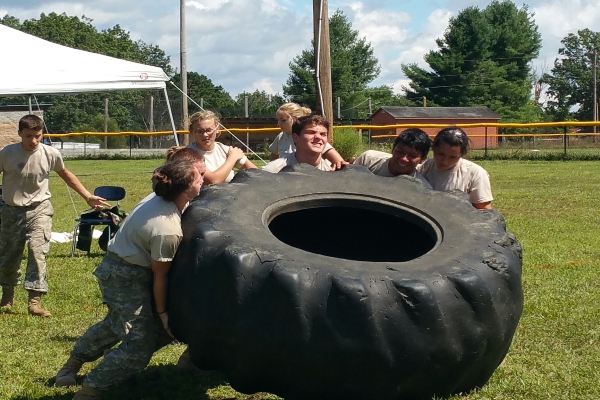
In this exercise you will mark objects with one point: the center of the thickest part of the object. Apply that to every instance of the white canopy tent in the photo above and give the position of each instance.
(36, 66)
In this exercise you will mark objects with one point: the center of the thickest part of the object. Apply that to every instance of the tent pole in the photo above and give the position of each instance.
(30, 108)
(171, 116)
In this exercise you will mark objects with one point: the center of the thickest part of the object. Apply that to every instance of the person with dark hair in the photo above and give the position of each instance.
(27, 214)
(409, 150)
(133, 281)
(309, 134)
(180, 153)
(449, 170)
(172, 150)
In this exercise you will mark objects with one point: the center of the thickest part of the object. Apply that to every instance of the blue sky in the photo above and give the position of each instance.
(245, 45)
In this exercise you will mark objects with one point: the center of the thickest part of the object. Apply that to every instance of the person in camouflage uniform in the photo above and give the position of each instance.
(27, 212)
(132, 280)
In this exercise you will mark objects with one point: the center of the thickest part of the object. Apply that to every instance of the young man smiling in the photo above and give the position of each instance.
(410, 149)
(309, 133)
(27, 214)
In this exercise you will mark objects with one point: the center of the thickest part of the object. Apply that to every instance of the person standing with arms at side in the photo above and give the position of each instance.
(133, 281)
(219, 158)
(448, 170)
(27, 215)
(283, 144)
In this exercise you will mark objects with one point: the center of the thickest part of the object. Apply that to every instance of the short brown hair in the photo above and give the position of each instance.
(187, 153)
(32, 122)
(172, 150)
(307, 120)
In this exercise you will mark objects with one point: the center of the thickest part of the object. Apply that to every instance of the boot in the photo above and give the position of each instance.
(67, 375)
(8, 297)
(88, 392)
(34, 306)
(185, 364)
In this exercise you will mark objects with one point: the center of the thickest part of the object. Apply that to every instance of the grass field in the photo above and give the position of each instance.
(552, 207)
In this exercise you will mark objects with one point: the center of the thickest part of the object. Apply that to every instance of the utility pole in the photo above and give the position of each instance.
(247, 115)
(595, 105)
(105, 122)
(151, 128)
(185, 138)
(323, 63)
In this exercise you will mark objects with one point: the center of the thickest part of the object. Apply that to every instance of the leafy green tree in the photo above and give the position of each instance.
(353, 67)
(570, 82)
(96, 124)
(10, 21)
(200, 89)
(483, 59)
(260, 103)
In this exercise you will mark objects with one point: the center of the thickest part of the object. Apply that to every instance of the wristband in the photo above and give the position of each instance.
(161, 312)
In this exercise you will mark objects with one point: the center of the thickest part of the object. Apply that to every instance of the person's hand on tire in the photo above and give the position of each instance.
(335, 166)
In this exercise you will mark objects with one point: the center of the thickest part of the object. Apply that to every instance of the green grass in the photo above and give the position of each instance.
(552, 207)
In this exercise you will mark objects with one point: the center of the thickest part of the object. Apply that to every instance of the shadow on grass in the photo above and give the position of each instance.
(5, 312)
(81, 254)
(154, 383)
(64, 338)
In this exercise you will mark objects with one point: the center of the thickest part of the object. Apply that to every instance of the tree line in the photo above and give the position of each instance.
(484, 58)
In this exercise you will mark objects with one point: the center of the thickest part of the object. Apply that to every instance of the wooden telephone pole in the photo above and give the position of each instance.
(185, 138)
(595, 93)
(323, 63)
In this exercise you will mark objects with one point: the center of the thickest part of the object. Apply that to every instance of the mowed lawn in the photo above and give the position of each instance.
(552, 207)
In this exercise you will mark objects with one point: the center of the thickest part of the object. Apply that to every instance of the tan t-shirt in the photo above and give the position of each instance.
(290, 159)
(283, 144)
(25, 173)
(151, 232)
(377, 162)
(466, 176)
(216, 157)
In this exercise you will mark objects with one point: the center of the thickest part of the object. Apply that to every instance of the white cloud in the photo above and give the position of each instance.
(206, 4)
(380, 27)
(264, 84)
(248, 44)
(573, 17)
(412, 50)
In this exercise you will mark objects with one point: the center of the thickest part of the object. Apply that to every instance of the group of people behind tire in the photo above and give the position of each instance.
(133, 274)
(304, 140)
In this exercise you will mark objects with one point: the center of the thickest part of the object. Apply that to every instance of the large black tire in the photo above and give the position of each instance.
(344, 285)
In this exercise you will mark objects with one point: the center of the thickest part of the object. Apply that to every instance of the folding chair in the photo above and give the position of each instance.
(91, 218)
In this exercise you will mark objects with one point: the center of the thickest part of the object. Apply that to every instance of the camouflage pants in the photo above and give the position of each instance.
(20, 225)
(2, 203)
(127, 291)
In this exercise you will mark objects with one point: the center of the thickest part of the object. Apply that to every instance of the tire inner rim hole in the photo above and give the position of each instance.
(363, 233)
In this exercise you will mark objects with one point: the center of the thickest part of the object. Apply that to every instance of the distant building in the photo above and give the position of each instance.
(389, 115)
(9, 123)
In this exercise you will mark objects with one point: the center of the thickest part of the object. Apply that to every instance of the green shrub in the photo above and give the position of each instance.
(348, 142)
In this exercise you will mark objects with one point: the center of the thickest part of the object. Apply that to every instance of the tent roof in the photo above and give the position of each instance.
(32, 66)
